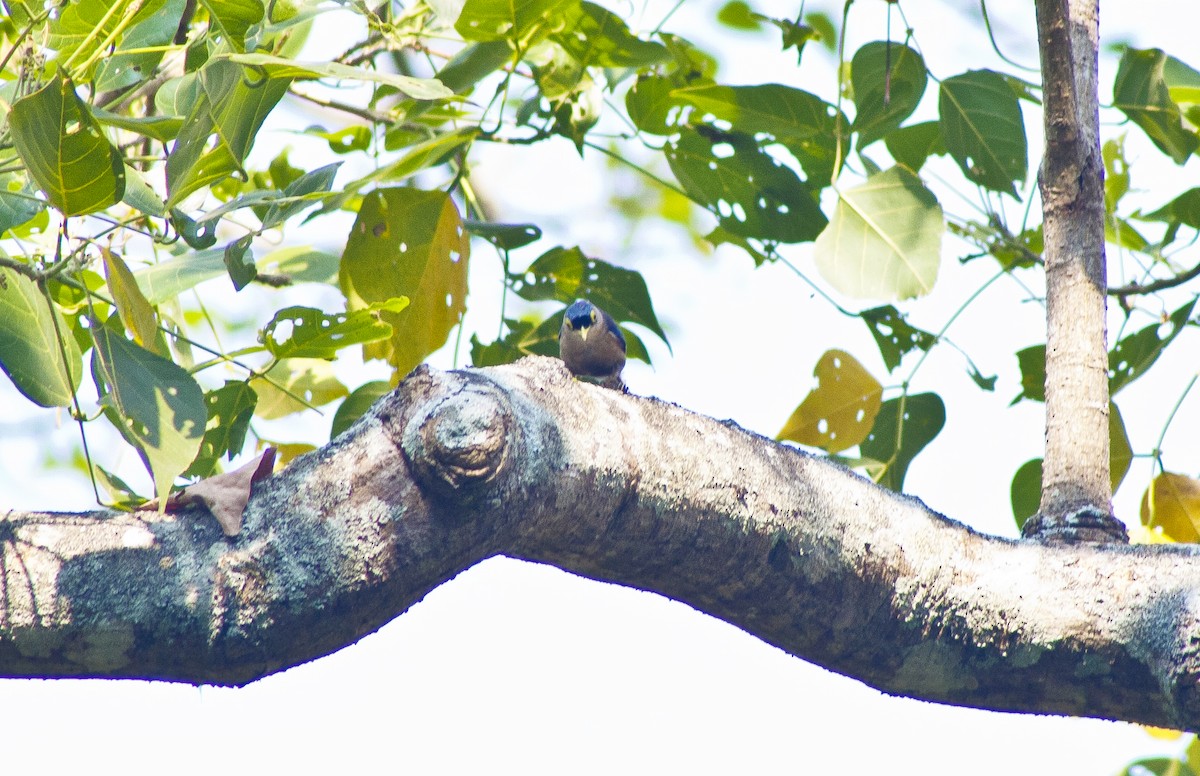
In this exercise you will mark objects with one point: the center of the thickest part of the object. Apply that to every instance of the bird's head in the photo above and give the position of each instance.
(581, 316)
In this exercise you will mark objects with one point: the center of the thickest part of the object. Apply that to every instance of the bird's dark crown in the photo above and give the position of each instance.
(581, 314)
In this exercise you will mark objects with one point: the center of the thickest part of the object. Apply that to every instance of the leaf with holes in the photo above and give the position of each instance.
(506, 237)
(750, 192)
(983, 129)
(1140, 91)
(408, 243)
(157, 406)
(30, 351)
(889, 80)
(885, 238)
(567, 274)
(65, 150)
(1135, 354)
(840, 411)
(800, 121)
(897, 438)
(894, 335)
(305, 332)
(519, 21)
(597, 37)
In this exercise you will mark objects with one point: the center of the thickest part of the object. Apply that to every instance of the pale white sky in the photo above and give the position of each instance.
(515, 668)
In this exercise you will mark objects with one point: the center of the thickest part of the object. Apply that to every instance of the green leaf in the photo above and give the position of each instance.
(306, 190)
(889, 80)
(506, 237)
(140, 196)
(134, 311)
(356, 405)
(983, 129)
(344, 141)
(1116, 173)
(1158, 766)
(19, 202)
(802, 122)
(1026, 491)
(82, 29)
(166, 280)
(884, 240)
(242, 272)
(410, 243)
(1184, 209)
(567, 274)
(306, 332)
(1120, 453)
(1032, 361)
(894, 335)
(518, 21)
(839, 413)
(160, 128)
(282, 68)
(300, 264)
(652, 105)
(153, 27)
(230, 409)
(749, 191)
(598, 37)
(234, 18)
(1135, 354)
(65, 150)
(473, 63)
(1140, 92)
(218, 133)
(897, 438)
(738, 15)
(157, 406)
(30, 353)
(911, 146)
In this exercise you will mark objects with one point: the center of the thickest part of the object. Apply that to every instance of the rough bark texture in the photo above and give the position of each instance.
(523, 461)
(1076, 492)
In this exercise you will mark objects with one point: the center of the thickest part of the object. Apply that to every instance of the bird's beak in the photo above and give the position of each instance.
(584, 332)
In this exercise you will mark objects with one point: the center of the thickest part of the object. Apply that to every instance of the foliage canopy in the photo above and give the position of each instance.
(128, 185)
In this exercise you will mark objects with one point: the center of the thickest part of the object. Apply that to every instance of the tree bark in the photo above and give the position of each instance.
(1076, 502)
(523, 461)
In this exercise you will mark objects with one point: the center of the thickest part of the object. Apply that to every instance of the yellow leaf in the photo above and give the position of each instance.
(132, 306)
(294, 385)
(1172, 502)
(410, 243)
(841, 410)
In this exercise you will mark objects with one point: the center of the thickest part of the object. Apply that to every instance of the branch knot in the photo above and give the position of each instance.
(458, 444)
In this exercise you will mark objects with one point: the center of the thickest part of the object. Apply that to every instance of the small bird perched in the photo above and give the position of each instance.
(592, 346)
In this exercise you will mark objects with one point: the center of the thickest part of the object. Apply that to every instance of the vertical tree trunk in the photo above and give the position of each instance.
(1076, 492)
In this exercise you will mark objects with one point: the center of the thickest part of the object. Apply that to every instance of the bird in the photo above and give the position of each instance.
(592, 346)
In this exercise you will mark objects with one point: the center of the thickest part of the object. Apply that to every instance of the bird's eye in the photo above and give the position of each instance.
(593, 314)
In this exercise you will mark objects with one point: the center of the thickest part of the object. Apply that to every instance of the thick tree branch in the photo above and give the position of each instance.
(523, 461)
